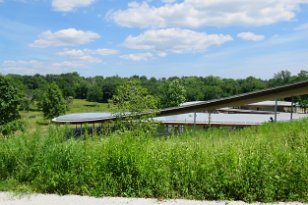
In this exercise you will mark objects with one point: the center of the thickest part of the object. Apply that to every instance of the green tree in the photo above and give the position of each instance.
(281, 78)
(9, 107)
(173, 94)
(304, 105)
(53, 102)
(212, 92)
(129, 101)
(95, 94)
(251, 84)
(9, 101)
(194, 88)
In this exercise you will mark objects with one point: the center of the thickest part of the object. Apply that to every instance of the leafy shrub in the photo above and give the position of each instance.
(12, 127)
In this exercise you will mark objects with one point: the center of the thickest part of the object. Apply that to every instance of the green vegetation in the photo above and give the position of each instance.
(53, 103)
(101, 89)
(86, 106)
(133, 98)
(34, 119)
(266, 163)
(173, 94)
(9, 105)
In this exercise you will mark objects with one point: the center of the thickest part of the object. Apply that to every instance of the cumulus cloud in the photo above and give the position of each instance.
(69, 5)
(13, 63)
(138, 56)
(168, 1)
(67, 64)
(84, 52)
(249, 36)
(87, 55)
(29, 67)
(198, 13)
(72, 53)
(105, 51)
(65, 37)
(175, 41)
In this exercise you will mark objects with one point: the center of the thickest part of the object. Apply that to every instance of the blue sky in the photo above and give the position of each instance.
(160, 38)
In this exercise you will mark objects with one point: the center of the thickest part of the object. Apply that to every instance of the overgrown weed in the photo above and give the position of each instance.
(266, 163)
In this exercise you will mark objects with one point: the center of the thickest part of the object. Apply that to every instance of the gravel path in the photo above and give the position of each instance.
(44, 199)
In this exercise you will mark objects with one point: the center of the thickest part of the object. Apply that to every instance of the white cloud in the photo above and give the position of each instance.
(249, 36)
(72, 53)
(302, 27)
(175, 41)
(105, 51)
(80, 55)
(67, 64)
(31, 67)
(28, 67)
(69, 5)
(198, 13)
(89, 59)
(138, 56)
(86, 55)
(65, 37)
(83, 52)
(13, 63)
(168, 1)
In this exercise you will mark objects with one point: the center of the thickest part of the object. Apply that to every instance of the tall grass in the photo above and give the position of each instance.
(266, 163)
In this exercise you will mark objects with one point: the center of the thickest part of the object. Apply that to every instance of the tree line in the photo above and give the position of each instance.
(53, 93)
(101, 89)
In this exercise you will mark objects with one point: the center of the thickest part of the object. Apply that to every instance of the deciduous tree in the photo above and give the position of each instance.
(9, 101)
(129, 101)
(173, 94)
(9, 106)
(53, 102)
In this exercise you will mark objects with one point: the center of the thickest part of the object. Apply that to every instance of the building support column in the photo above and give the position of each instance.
(195, 120)
(210, 118)
(276, 109)
(291, 116)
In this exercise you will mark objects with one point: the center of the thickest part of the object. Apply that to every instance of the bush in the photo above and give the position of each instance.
(12, 127)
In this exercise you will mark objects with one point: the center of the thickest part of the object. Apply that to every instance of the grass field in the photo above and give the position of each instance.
(34, 119)
(266, 163)
(85, 106)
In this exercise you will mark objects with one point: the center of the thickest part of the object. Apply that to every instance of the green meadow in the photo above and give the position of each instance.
(34, 119)
(266, 163)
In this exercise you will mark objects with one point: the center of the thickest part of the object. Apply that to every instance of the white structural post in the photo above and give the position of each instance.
(209, 120)
(276, 108)
(195, 120)
(291, 117)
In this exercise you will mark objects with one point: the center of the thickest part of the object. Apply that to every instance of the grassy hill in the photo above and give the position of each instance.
(266, 163)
